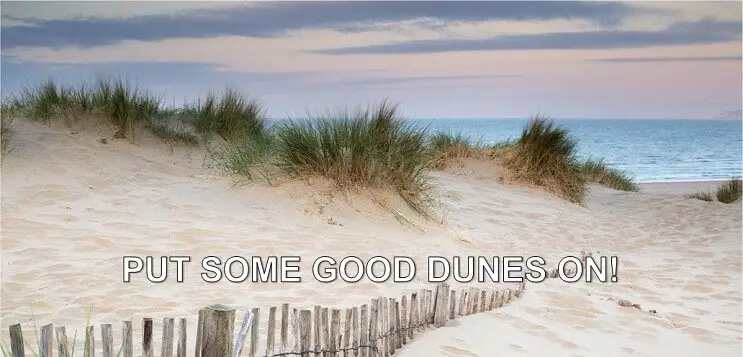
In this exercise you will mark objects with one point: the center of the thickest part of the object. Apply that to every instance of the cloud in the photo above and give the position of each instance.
(426, 80)
(277, 18)
(687, 33)
(667, 59)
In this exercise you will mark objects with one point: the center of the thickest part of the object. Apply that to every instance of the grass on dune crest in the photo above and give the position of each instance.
(369, 148)
(544, 155)
(598, 172)
(232, 116)
(112, 97)
(447, 147)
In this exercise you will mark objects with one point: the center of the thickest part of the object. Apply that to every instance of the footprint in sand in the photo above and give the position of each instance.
(453, 351)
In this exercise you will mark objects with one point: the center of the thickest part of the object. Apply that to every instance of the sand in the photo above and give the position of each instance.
(72, 207)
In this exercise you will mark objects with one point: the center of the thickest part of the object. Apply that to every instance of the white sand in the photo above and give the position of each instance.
(72, 207)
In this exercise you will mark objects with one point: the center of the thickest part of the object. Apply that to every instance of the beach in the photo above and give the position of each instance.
(73, 207)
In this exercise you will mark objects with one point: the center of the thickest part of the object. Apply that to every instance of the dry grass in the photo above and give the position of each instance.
(447, 147)
(544, 156)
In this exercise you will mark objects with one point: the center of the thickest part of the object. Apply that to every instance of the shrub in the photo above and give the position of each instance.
(598, 172)
(372, 148)
(544, 155)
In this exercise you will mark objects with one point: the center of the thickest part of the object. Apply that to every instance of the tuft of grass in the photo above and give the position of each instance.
(5, 134)
(704, 196)
(447, 147)
(370, 148)
(598, 172)
(730, 192)
(122, 102)
(166, 128)
(254, 156)
(544, 155)
(232, 116)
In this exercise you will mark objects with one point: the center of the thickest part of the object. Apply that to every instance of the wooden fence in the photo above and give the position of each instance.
(377, 329)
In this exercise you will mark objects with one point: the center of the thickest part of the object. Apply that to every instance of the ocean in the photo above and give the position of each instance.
(648, 150)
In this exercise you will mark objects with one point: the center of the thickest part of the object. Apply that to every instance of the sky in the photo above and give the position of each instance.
(456, 59)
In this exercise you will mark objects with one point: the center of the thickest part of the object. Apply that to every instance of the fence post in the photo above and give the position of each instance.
(126, 332)
(441, 305)
(16, 341)
(218, 329)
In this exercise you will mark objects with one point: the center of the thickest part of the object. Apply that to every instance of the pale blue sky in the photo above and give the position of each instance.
(435, 59)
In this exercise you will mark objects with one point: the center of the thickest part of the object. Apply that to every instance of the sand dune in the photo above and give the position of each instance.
(73, 206)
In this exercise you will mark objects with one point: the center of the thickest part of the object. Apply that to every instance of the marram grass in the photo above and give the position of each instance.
(371, 148)
(729, 192)
(544, 155)
(598, 172)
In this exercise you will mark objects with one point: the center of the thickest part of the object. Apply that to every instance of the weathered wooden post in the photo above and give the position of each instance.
(441, 305)
(16, 341)
(47, 341)
(218, 331)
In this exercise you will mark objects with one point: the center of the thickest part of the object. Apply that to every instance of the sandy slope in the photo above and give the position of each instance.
(72, 207)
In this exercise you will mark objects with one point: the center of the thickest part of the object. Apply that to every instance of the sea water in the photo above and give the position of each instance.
(647, 150)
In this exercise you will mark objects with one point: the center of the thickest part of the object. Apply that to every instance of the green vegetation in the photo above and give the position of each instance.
(447, 147)
(370, 148)
(231, 116)
(373, 148)
(5, 134)
(544, 155)
(598, 172)
(729, 192)
(115, 99)
(704, 196)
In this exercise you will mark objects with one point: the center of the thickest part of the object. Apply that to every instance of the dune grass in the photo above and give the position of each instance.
(730, 192)
(5, 134)
(375, 147)
(252, 158)
(122, 102)
(232, 116)
(447, 147)
(703, 196)
(369, 148)
(170, 127)
(598, 172)
(544, 155)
